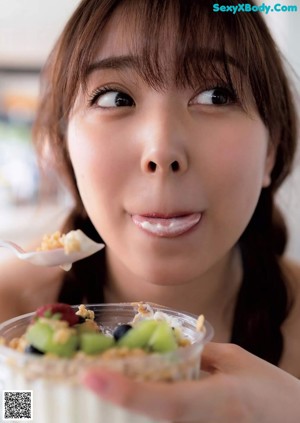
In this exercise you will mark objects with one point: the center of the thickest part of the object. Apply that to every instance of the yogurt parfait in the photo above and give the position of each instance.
(48, 351)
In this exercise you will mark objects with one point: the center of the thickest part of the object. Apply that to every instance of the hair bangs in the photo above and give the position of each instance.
(173, 41)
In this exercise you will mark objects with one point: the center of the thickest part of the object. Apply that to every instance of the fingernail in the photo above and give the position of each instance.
(96, 383)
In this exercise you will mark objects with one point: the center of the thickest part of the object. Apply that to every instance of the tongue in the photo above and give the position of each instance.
(167, 226)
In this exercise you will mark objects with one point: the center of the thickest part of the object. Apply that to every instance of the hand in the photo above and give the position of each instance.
(240, 388)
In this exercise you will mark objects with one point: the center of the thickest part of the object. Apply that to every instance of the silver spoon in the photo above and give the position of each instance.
(58, 256)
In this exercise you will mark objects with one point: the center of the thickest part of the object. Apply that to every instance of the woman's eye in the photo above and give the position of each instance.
(216, 96)
(110, 99)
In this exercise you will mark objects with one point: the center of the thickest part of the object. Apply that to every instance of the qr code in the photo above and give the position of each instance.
(17, 405)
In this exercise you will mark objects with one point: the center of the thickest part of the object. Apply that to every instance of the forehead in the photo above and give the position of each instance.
(164, 50)
(125, 35)
(113, 39)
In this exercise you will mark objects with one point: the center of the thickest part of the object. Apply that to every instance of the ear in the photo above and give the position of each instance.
(269, 163)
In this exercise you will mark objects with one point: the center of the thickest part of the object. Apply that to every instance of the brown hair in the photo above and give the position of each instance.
(238, 50)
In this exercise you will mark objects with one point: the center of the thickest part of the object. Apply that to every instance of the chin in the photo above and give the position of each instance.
(164, 277)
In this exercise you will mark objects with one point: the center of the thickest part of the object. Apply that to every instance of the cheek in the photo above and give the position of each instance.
(238, 169)
(99, 166)
(103, 167)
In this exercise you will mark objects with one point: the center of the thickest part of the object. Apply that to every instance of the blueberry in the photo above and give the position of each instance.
(81, 319)
(120, 331)
(32, 350)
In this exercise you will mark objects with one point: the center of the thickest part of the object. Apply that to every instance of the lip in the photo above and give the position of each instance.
(166, 225)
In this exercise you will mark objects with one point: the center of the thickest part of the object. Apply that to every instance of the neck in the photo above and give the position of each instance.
(212, 294)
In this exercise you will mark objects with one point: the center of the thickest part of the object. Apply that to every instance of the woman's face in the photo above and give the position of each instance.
(169, 178)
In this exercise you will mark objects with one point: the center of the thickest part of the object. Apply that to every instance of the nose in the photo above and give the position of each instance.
(164, 144)
(156, 165)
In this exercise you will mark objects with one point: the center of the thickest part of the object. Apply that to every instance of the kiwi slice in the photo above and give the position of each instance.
(39, 335)
(139, 335)
(163, 339)
(95, 343)
(64, 349)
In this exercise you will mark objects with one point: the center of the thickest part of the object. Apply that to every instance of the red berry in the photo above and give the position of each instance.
(59, 311)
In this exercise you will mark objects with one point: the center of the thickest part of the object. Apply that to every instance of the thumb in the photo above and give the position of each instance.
(224, 358)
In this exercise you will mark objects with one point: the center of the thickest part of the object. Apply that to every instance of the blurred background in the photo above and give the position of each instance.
(33, 203)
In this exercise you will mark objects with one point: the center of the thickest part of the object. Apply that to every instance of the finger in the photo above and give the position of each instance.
(186, 401)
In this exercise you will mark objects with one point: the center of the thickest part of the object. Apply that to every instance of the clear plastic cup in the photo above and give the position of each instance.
(55, 382)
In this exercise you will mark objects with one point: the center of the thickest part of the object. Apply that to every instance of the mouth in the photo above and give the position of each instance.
(166, 226)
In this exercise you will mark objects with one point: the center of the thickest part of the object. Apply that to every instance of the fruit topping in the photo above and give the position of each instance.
(163, 339)
(140, 335)
(48, 338)
(95, 343)
(30, 349)
(57, 329)
(120, 331)
(39, 335)
(58, 311)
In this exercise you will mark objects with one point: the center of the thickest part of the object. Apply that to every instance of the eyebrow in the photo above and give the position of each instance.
(130, 61)
(113, 62)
